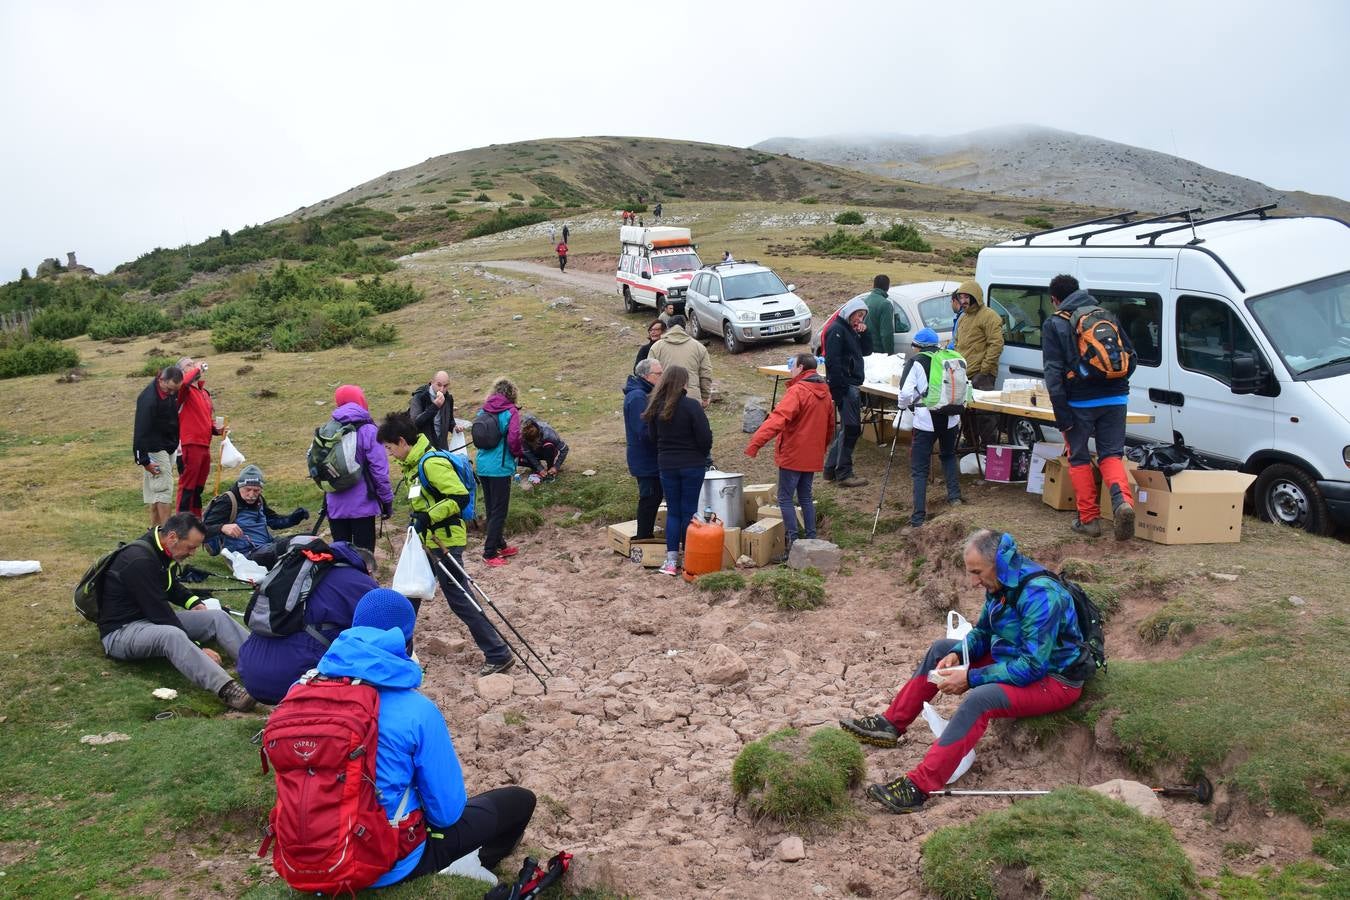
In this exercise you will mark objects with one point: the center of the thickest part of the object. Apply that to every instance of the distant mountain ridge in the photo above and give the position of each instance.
(1034, 162)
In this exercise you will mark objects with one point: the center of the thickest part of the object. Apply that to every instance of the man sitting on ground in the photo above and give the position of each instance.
(1025, 659)
(137, 618)
(416, 757)
(241, 521)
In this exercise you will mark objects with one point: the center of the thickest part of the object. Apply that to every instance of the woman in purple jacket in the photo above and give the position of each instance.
(352, 512)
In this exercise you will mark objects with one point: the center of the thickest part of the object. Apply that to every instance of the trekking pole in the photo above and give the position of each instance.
(323, 513)
(489, 601)
(885, 479)
(1202, 791)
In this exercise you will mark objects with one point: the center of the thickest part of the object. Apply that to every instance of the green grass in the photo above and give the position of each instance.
(799, 781)
(720, 584)
(1067, 844)
(789, 589)
(1305, 878)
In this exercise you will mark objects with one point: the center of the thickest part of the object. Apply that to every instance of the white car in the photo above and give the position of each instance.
(744, 303)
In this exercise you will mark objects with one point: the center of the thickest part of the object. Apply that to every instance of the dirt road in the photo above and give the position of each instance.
(603, 284)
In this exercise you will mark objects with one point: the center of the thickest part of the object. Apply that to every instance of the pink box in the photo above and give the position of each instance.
(1006, 462)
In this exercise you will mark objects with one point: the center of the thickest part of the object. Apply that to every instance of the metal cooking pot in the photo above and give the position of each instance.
(722, 492)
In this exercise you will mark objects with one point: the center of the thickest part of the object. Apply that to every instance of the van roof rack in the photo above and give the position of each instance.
(1124, 217)
(1082, 236)
(1258, 211)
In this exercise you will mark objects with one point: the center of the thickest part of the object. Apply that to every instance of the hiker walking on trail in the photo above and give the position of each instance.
(240, 520)
(439, 498)
(1025, 659)
(433, 410)
(656, 211)
(415, 763)
(656, 329)
(196, 427)
(679, 427)
(803, 423)
(153, 439)
(562, 256)
(552, 234)
(566, 233)
(495, 464)
(881, 316)
(677, 348)
(846, 342)
(1090, 403)
(977, 334)
(929, 428)
(145, 612)
(351, 512)
(642, 459)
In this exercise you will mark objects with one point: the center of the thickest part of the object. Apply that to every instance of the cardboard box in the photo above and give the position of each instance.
(1104, 499)
(1194, 507)
(753, 496)
(1041, 453)
(880, 431)
(648, 555)
(1006, 463)
(776, 512)
(1058, 490)
(731, 547)
(622, 538)
(763, 541)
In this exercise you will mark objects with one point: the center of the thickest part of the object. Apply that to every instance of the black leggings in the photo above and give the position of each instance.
(357, 532)
(492, 823)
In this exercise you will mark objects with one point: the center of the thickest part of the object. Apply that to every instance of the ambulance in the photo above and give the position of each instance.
(656, 265)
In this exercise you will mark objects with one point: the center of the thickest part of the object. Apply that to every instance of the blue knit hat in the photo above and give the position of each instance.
(926, 338)
(384, 609)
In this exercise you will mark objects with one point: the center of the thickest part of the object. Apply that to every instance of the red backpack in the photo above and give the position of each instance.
(332, 835)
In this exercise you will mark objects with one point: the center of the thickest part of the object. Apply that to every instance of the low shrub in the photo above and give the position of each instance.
(514, 196)
(59, 323)
(406, 208)
(1038, 222)
(128, 320)
(789, 589)
(849, 217)
(483, 198)
(153, 366)
(809, 201)
(796, 780)
(501, 220)
(720, 584)
(539, 201)
(906, 237)
(36, 357)
(453, 215)
(841, 243)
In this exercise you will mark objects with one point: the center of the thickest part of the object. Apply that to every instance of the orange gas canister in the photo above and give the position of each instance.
(703, 547)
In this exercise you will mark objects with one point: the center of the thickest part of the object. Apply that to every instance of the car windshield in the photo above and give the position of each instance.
(936, 313)
(1309, 325)
(675, 262)
(753, 284)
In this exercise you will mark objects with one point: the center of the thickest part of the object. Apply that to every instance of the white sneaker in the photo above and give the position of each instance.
(669, 567)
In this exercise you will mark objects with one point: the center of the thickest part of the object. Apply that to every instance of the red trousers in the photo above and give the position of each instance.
(978, 706)
(196, 466)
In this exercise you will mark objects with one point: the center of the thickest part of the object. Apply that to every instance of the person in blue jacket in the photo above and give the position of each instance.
(641, 448)
(415, 749)
(268, 666)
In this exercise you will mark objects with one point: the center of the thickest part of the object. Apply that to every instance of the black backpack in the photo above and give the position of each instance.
(1090, 623)
(88, 592)
(486, 430)
(277, 607)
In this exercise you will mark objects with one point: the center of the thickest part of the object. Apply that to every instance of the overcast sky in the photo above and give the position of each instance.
(133, 125)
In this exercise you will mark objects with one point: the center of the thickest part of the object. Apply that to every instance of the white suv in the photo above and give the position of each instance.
(744, 303)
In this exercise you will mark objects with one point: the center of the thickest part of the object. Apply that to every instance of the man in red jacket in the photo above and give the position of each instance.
(195, 428)
(804, 425)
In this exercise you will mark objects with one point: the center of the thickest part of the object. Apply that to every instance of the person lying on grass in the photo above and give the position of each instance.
(1025, 659)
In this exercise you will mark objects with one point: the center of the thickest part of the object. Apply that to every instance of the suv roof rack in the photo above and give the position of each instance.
(1082, 236)
(1124, 217)
(1258, 211)
(734, 262)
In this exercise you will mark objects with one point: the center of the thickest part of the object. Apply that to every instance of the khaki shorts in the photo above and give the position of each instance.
(158, 488)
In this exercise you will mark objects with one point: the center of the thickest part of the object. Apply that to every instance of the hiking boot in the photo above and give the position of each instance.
(874, 730)
(1090, 529)
(508, 551)
(492, 668)
(898, 796)
(828, 474)
(1123, 512)
(495, 561)
(236, 697)
(853, 481)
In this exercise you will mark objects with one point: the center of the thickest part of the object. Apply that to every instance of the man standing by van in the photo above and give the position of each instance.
(1090, 393)
(977, 334)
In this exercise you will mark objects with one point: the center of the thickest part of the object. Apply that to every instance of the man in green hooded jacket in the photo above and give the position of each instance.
(881, 316)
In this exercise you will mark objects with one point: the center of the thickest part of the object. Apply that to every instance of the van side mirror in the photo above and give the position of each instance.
(1247, 376)
(647, 275)
(714, 298)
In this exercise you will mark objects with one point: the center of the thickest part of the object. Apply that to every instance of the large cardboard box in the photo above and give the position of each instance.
(1058, 490)
(763, 541)
(1006, 462)
(622, 538)
(1041, 453)
(753, 496)
(1104, 498)
(776, 512)
(1194, 507)
(731, 547)
(649, 555)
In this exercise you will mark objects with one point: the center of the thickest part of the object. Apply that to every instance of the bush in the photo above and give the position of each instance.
(789, 589)
(849, 217)
(453, 215)
(454, 200)
(483, 198)
(797, 781)
(153, 366)
(59, 323)
(128, 320)
(809, 201)
(841, 243)
(1038, 222)
(906, 237)
(514, 196)
(539, 201)
(501, 220)
(36, 357)
(720, 584)
(403, 209)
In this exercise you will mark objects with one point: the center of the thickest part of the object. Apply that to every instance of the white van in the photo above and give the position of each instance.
(1242, 327)
(656, 265)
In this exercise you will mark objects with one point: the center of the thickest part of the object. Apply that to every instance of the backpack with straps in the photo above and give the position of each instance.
(213, 544)
(948, 385)
(1092, 648)
(466, 501)
(1102, 350)
(332, 834)
(486, 430)
(89, 591)
(277, 606)
(332, 457)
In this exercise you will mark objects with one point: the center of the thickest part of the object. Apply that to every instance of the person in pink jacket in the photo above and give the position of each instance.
(352, 511)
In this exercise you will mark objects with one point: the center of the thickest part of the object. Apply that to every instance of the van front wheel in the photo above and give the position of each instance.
(628, 304)
(1287, 495)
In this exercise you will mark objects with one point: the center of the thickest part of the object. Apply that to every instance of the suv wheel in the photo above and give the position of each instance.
(801, 338)
(729, 338)
(1287, 495)
(628, 304)
(1024, 432)
(691, 323)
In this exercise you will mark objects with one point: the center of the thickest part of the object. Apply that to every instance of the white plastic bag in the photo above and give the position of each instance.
(957, 626)
(470, 866)
(10, 567)
(230, 457)
(243, 568)
(904, 419)
(938, 725)
(970, 465)
(413, 577)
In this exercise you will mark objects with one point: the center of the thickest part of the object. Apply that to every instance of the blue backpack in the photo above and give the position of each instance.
(465, 473)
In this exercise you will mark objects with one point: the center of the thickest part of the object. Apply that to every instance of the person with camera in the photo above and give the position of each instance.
(196, 427)
(433, 410)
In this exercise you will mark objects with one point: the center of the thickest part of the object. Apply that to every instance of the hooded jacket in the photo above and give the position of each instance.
(803, 422)
(268, 666)
(547, 435)
(641, 448)
(1036, 636)
(440, 501)
(677, 348)
(414, 747)
(500, 461)
(195, 412)
(880, 321)
(1059, 355)
(845, 349)
(978, 333)
(373, 493)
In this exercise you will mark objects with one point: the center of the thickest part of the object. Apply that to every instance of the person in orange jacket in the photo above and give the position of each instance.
(804, 425)
(196, 427)
(562, 256)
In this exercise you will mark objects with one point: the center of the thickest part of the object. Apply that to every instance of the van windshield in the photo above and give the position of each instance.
(1309, 325)
(675, 262)
(754, 284)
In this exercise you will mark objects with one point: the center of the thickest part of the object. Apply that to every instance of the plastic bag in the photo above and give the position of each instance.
(230, 457)
(11, 567)
(970, 464)
(939, 725)
(243, 568)
(957, 626)
(413, 577)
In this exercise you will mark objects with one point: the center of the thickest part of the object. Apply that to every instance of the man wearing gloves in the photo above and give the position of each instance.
(240, 520)
(930, 426)
(846, 343)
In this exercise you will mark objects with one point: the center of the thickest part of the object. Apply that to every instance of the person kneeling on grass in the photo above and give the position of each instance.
(1025, 659)
(415, 750)
(542, 449)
